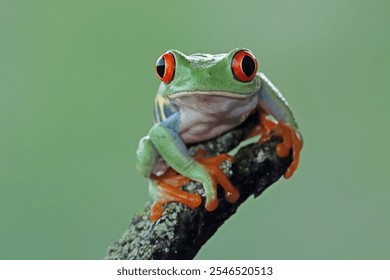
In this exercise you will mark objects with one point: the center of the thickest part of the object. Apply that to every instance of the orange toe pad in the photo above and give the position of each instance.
(169, 186)
(291, 140)
(218, 177)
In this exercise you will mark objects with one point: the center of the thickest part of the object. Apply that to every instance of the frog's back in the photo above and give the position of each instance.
(163, 108)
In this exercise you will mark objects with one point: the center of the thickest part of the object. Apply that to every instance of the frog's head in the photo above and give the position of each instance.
(232, 74)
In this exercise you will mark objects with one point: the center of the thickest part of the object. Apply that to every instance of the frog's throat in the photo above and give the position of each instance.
(212, 93)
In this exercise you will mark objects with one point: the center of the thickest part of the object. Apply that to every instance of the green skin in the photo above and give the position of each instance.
(205, 100)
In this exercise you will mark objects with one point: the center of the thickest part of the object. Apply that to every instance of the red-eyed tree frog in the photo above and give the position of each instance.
(202, 96)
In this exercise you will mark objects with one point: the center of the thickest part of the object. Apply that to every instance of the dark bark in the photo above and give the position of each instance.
(181, 231)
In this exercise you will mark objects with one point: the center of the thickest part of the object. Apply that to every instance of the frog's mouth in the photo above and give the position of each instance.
(211, 93)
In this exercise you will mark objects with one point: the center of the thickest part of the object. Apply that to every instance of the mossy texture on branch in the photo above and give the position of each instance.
(181, 231)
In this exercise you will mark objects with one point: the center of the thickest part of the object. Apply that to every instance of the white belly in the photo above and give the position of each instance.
(203, 117)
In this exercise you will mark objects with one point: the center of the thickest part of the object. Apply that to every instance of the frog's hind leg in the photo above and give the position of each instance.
(167, 188)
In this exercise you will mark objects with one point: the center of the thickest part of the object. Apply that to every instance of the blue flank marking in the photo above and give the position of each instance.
(173, 122)
(167, 110)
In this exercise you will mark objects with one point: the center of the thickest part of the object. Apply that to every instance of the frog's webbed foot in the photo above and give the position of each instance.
(212, 165)
(291, 140)
(168, 188)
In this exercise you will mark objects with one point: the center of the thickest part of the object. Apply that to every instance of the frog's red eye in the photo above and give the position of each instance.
(165, 67)
(244, 66)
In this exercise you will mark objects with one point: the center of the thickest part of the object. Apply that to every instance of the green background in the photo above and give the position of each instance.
(77, 85)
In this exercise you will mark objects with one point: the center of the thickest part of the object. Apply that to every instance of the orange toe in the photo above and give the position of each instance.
(169, 186)
(218, 177)
(291, 140)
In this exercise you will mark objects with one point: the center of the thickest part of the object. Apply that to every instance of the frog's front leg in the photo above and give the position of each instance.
(165, 137)
(146, 157)
(164, 188)
(273, 103)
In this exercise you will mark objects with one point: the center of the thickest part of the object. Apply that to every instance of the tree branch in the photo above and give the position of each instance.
(181, 231)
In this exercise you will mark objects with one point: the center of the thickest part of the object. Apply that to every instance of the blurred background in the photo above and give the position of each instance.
(77, 85)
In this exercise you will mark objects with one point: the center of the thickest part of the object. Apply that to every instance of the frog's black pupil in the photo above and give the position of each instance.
(248, 65)
(160, 66)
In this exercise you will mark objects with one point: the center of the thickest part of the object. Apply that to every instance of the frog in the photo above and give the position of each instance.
(200, 97)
